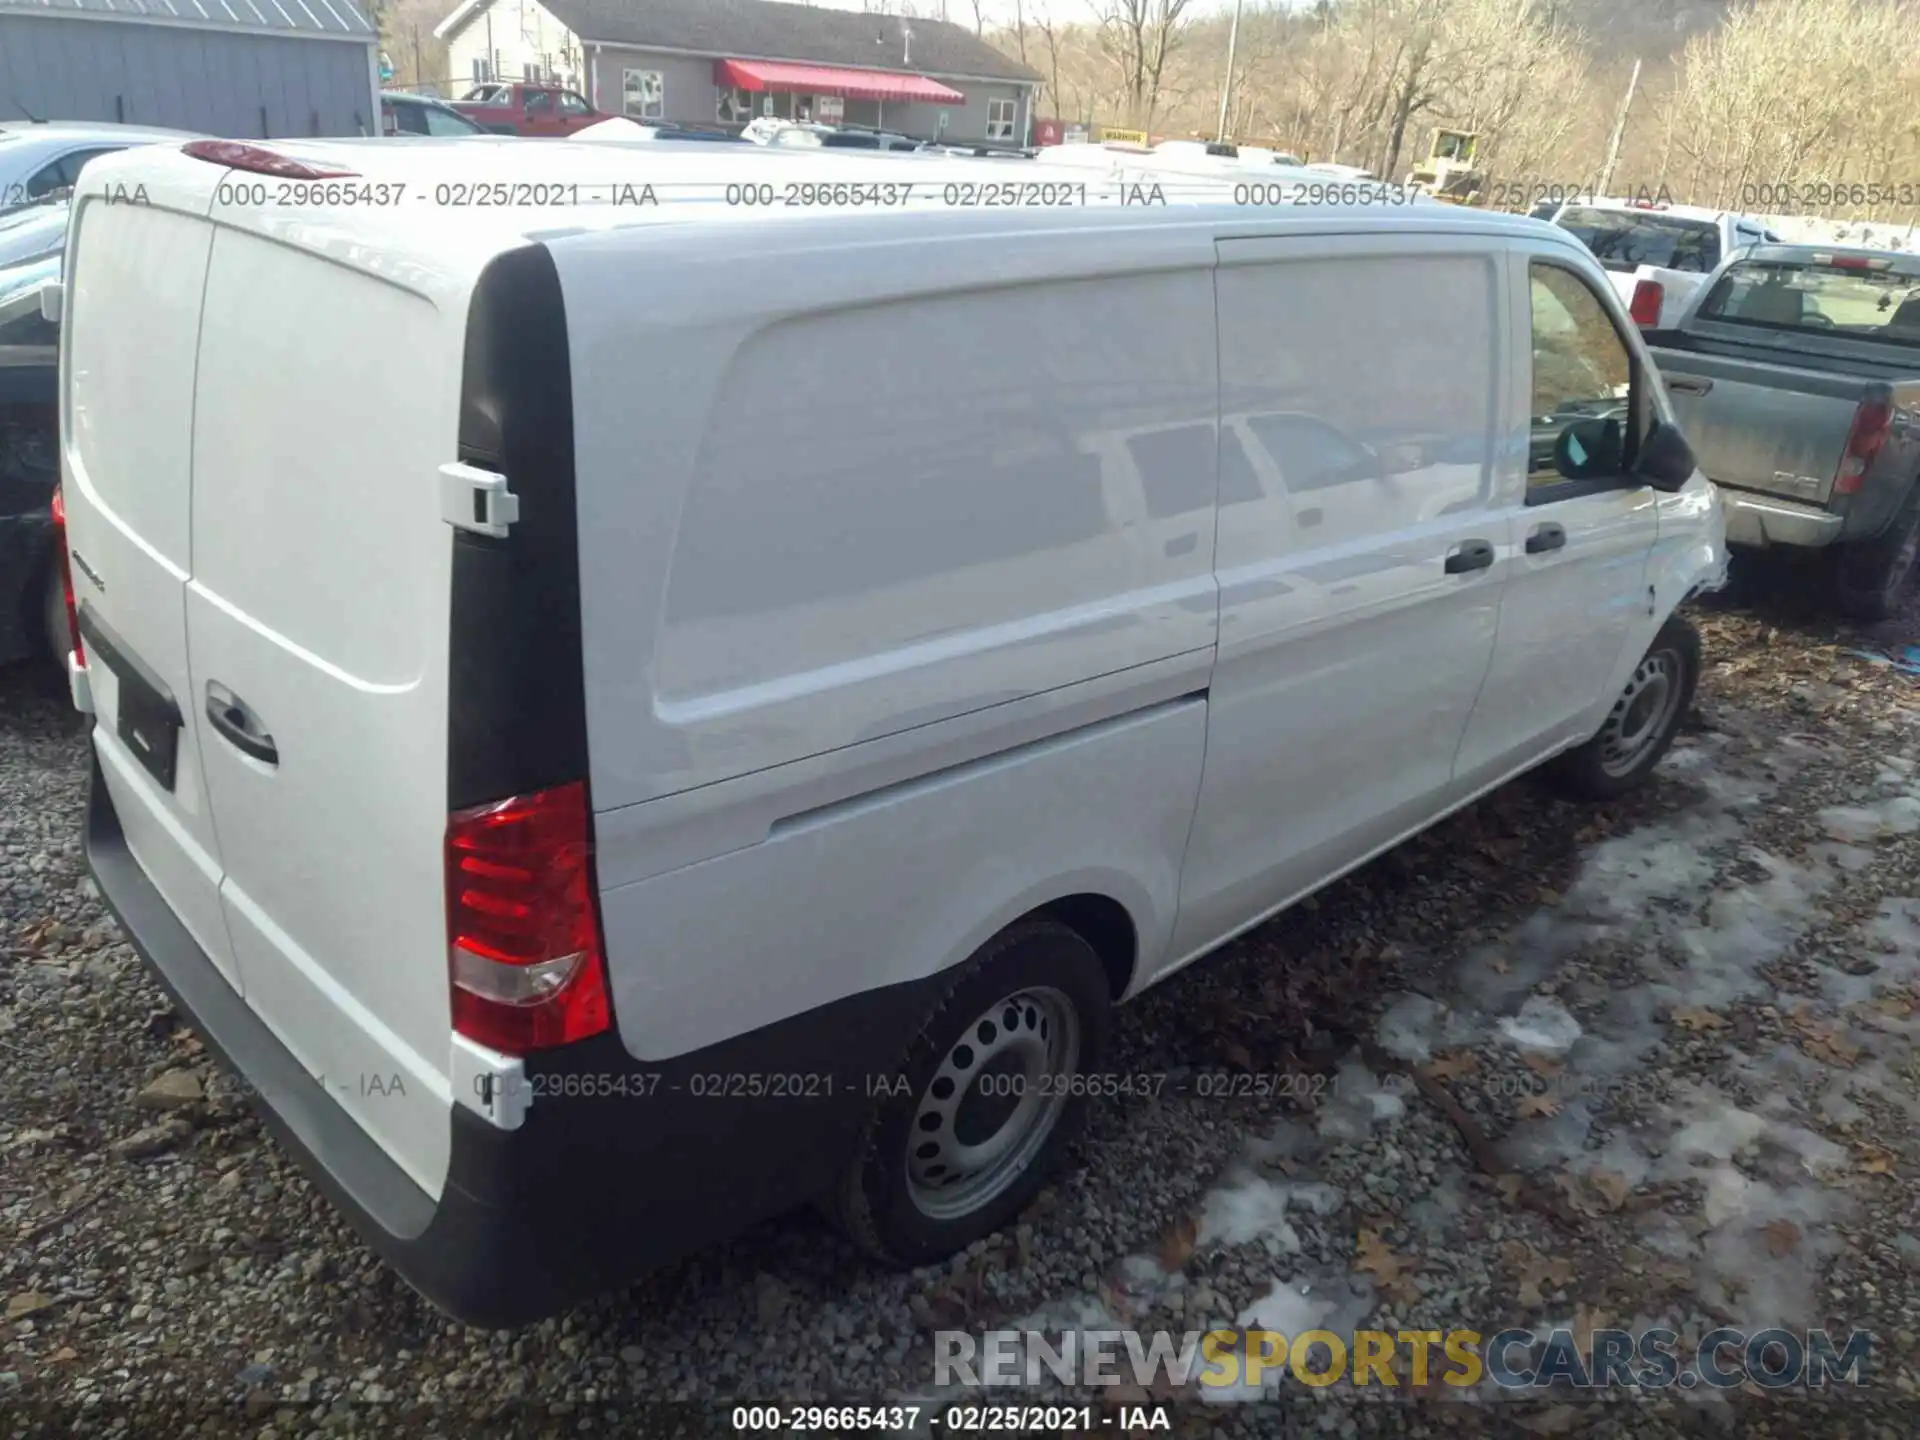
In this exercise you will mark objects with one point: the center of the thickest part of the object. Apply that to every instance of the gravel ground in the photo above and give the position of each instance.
(1650, 1062)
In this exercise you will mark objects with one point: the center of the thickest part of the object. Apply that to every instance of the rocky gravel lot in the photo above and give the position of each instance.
(1549, 1065)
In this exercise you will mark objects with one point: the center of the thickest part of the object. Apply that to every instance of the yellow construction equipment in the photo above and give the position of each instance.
(1448, 172)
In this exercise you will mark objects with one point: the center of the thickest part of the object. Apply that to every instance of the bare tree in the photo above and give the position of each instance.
(1778, 94)
(1141, 36)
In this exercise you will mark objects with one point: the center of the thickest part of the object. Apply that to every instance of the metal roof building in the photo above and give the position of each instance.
(240, 68)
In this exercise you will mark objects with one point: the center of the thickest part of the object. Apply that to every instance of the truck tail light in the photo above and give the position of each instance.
(524, 955)
(258, 160)
(1648, 296)
(1872, 423)
(66, 578)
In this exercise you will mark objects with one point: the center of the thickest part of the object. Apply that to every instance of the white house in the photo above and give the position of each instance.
(726, 61)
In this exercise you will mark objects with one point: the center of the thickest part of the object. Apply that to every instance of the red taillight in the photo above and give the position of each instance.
(237, 155)
(66, 577)
(523, 936)
(1872, 422)
(1647, 298)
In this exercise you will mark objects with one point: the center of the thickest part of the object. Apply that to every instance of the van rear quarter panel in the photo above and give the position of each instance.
(965, 488)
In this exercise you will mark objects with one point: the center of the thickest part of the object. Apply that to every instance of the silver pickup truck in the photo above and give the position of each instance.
(1795, 375)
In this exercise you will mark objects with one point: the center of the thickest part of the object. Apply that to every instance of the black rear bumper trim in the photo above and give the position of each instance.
(620, 1166)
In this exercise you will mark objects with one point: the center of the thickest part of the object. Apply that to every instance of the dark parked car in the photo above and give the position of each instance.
(403, 114)
(33, 614)
(858, 138)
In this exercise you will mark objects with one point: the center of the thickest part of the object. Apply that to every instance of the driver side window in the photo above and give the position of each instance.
(1582, 431)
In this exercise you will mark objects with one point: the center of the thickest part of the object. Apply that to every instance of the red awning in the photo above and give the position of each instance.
(831, 80)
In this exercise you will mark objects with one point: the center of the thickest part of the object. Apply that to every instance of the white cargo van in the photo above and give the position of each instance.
(620, 723)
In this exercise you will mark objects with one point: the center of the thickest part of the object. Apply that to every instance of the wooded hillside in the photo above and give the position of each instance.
(1752, 104)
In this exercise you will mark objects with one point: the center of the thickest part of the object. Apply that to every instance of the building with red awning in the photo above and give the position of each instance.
(731, 61)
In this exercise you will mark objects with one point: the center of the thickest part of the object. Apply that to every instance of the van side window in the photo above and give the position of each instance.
(1348, 440)
(1582, 386)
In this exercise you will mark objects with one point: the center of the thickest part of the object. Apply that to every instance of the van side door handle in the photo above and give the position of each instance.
(1547, 537)
(1470, 555)
(1687, 385)
(229, 714)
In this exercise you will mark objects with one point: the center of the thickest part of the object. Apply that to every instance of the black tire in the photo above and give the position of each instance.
(875, 1203)
(1869, 575)
(1623, 754)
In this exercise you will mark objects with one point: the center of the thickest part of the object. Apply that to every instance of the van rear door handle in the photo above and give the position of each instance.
(1685, 385)
(229, 714)
(1470, 555)
(1547, 537)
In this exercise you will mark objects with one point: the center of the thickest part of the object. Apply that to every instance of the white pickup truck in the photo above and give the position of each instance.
(1657, 255)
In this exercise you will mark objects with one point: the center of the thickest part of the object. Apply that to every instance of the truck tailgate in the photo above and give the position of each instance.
(1754, 426)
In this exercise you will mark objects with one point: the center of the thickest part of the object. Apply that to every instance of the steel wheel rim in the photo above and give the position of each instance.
(992, 1103)
(1642, 713)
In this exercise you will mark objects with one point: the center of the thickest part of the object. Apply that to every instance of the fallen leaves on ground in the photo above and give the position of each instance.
(42, 933)
(1176, 1246)
(1454, 1065)
(1698, 1018)
(1822, 1040)
(1876, 1159)
(1597, 1192)
(28, 1302)
(1535, 1274)
(1533, 1106)
(1391, 1272)
(1611, 1186)
(1782, 1237)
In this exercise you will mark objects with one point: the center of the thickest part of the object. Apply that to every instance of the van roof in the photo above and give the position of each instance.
(452, 204)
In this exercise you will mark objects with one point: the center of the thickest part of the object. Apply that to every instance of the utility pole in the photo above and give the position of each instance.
(1619, 131)
(1226, 88)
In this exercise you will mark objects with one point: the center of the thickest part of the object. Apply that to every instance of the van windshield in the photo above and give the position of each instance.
(1857, 300)
(1628, 239)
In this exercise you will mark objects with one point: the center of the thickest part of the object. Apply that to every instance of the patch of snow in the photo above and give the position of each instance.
(1855, 824)
(1287, 1309)
(1253, 1208)
(1357, 1101)
(1849, 858)
(1540, 1144)
(1720, 1131)
(1410, 1027)
(1543, 1026)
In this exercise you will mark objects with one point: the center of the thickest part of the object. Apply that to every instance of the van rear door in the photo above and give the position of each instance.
(135, 277)
(317, 617)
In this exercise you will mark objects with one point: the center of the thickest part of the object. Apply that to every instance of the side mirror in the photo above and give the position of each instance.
(1666, 460)
(1588, 449)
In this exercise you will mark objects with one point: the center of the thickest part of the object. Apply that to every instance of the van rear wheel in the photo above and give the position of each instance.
(991, 1094)
(1643, 721)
